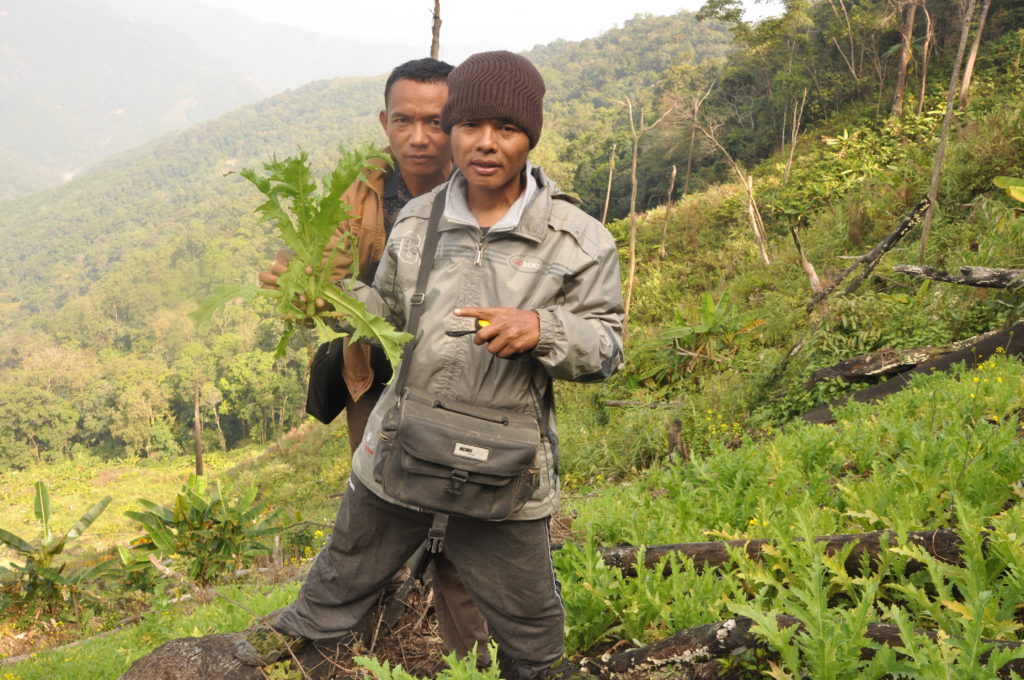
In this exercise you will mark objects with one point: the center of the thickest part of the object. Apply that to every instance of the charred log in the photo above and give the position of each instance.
(1010, 340)
(943, 544)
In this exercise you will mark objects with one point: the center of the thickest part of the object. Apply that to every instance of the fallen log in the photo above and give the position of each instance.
(943, 544)
(871, 259)
(1011, 340)
(887, 361)
(884, 362)
(981, 277)
(696, 653)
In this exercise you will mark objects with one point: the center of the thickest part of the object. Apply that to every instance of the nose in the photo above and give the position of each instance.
(419, 135)
(485, 140)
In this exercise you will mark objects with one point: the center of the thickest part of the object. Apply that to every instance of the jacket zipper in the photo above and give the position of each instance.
(480, 251)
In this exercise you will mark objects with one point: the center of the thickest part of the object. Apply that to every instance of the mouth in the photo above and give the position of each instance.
(484, 167)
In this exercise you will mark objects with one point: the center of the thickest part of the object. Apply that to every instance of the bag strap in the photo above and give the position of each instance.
(435, 537)
(433, 235)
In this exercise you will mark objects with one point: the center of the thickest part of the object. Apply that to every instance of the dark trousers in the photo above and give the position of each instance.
(505, 566)
(462, 624)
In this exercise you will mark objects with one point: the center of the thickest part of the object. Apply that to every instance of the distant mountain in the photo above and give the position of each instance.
(83, 79)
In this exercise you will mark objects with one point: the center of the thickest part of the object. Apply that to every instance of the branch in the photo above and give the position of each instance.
(870, 261)
(981, 277)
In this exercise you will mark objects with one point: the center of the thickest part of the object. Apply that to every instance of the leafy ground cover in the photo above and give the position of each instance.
(945, 453)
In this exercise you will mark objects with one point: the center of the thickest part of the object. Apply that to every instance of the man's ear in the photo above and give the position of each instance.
(384, 120)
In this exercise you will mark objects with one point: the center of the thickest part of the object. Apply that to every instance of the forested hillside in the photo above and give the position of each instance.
(881, 540)
(81, 80)
(106, 267)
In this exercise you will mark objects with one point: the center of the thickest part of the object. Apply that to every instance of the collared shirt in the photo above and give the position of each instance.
(456, 207)
(396, 195)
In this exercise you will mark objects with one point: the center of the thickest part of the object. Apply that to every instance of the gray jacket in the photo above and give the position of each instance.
(557, 261)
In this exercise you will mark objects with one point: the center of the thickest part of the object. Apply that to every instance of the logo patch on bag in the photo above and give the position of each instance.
(471, 452)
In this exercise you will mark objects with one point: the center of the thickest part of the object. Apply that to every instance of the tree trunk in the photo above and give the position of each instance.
(435, 31)
(689, 162)
(633, 225)
(798, 114)
(663, 251)
(197, 426)
(638, 129)
(947, 120)
(906, 52)
(965, 86)
(925, 51)
(608, 191)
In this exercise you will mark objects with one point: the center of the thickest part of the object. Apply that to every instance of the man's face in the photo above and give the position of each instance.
(491, 153)
(412, 123)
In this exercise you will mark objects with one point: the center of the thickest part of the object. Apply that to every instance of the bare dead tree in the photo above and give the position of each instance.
(638, 128)
(965, 86)
(197, 425)
(925, 52)
(812, 274)
(435, 31)
(851, 59)
(947, 120)
(608, 191)
(695, 105)
(710, 131)
(906, 53)
(794, 130)
(663, 251)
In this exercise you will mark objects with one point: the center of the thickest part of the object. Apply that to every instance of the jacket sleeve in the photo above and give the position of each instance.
(581, 338)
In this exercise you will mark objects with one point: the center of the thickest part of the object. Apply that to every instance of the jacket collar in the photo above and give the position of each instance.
(534, 222)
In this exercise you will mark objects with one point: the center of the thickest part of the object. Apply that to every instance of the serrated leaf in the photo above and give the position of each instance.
(306, 220)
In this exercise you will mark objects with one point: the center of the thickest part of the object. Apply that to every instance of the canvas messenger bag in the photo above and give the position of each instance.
(449, 456)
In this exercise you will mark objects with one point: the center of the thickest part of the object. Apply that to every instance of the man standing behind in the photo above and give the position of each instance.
(414, 95)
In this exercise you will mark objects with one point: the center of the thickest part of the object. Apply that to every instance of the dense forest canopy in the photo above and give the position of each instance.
(97, 276)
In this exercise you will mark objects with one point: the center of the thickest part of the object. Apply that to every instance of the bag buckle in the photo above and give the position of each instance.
(456, 483)
(435, 537)
(417, 299)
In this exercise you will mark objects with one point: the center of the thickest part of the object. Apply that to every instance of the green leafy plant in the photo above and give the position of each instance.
(41, 582)
(306, 220)
(458, 669)
(206, 530)
(709, 333)
(1014, 186)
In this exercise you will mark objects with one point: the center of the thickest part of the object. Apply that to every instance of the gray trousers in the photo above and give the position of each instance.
(506, 566)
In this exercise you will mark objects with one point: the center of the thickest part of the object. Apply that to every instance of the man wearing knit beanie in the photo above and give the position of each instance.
(522, 288)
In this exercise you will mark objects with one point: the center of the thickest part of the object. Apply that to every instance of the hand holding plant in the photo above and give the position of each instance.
(307, 221)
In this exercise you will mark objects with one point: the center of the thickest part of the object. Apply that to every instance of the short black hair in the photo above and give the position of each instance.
(419, 70)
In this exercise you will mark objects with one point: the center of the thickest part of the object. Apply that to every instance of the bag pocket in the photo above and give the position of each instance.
(459, 458)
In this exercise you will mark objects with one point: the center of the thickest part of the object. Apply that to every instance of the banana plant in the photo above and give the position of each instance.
(40, 578)
(306, 220)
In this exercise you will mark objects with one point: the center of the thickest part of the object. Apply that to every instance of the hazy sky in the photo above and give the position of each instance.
(483, 24)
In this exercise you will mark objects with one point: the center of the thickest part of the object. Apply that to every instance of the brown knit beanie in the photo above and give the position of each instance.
(496, 85)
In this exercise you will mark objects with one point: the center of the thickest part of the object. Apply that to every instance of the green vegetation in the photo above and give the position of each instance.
(205, 530)
(41, 584)
(106, 368)
(307, 223)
